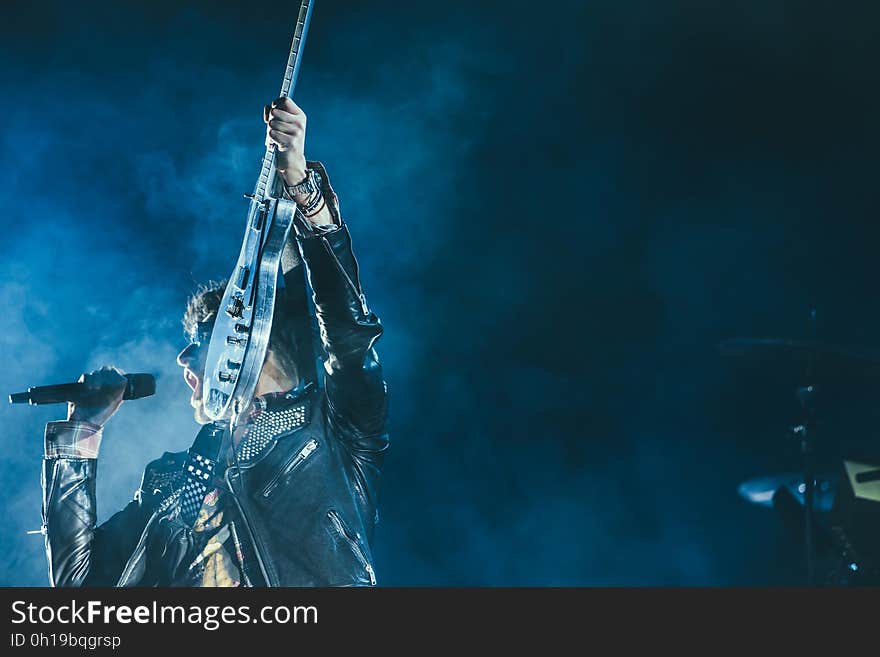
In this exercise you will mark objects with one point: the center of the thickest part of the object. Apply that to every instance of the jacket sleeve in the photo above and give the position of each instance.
(356, 391)
(78, 552)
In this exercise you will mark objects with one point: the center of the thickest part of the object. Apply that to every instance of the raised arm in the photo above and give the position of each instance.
(356, 391)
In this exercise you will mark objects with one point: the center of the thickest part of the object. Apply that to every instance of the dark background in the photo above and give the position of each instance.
(559, 209)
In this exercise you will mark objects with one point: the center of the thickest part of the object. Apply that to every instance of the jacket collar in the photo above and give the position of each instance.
(276, 401)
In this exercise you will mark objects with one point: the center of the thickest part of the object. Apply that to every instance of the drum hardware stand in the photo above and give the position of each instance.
(806, 396)
(803, 432)
(814, 363)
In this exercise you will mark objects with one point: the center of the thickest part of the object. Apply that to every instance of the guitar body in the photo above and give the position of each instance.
(244, 321)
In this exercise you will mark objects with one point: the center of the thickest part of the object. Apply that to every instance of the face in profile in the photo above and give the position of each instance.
(277, 374)
(192, 360)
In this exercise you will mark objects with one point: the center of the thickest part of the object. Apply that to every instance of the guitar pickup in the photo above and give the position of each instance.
(260, 216)
(226, 377)
(243, 276)
(234, 342)
(242, 328)
(232, 365)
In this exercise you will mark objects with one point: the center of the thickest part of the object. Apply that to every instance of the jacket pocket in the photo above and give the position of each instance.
(292, 463)
(352, 541)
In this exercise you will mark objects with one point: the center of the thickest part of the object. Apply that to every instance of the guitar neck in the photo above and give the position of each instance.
(267, 171)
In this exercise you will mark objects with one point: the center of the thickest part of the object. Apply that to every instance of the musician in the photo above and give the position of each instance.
(291, 500)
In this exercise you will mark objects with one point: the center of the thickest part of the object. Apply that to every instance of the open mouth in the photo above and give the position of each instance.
(191, 379)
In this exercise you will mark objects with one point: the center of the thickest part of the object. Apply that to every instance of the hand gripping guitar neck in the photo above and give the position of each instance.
(241, 330)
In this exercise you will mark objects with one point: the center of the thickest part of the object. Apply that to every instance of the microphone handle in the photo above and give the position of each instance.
(56, 394)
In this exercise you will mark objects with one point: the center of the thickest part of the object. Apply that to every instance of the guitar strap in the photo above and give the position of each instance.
(200, 467)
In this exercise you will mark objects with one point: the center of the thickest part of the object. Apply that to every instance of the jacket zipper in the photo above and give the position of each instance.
(139, 549)
(353, 543)
(44, 525)
(129, 565)
(300, 456)
(255, 539)
(138, 552)
(360, 295)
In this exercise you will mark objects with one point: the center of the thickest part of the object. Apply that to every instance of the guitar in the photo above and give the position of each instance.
(244, 321)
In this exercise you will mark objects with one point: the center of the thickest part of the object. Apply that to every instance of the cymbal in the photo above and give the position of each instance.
(760, 490)
(804, 348)
(826, 361)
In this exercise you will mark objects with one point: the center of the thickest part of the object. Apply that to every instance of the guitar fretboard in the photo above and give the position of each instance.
(267, 171)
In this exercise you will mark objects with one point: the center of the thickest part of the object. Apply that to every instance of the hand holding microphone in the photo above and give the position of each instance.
(101, 396)
(96, 395)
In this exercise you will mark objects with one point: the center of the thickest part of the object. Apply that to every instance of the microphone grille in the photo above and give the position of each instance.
(140, 385)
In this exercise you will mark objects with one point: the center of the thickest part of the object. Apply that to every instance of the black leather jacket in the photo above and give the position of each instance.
(309, 520)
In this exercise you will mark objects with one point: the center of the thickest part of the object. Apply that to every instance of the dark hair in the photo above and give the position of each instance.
(284, 341)
(203, 304)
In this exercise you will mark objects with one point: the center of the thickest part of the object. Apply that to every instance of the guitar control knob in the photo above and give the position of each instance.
(236, 307)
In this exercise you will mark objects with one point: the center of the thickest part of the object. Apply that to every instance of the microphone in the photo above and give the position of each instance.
(139, 385)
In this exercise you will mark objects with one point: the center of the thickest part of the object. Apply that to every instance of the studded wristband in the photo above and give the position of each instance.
(310, 186)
